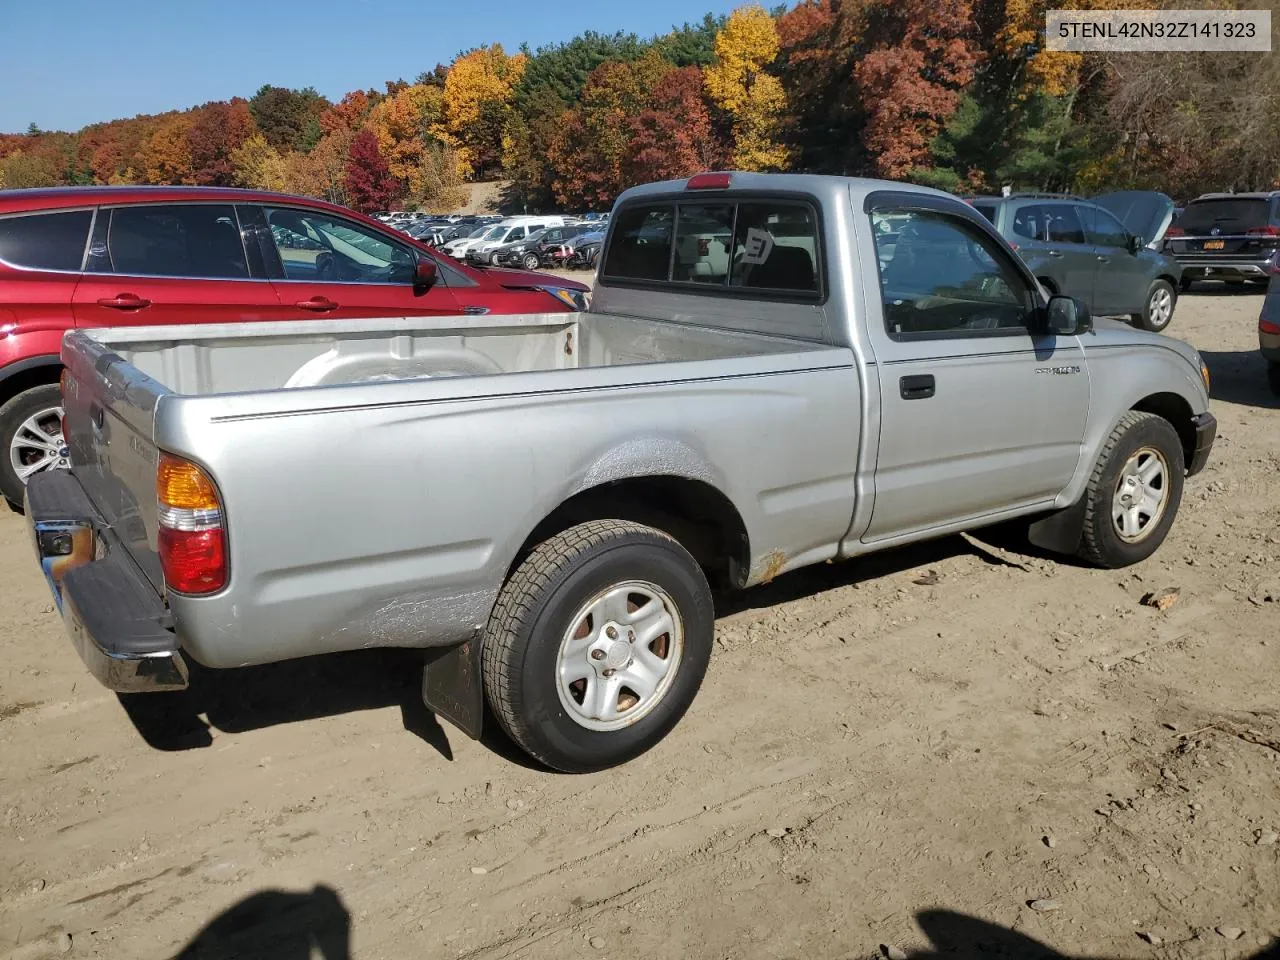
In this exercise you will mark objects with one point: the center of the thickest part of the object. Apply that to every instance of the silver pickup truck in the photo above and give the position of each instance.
(776, 371)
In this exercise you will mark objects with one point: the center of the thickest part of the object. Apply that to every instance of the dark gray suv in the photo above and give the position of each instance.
(1104, 250)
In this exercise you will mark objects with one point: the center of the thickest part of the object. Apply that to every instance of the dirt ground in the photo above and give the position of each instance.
(877, 763)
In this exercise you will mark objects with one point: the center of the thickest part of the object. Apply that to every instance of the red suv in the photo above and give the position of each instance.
(129, 256)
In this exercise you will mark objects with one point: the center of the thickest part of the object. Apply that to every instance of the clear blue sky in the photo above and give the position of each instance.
(67, 63)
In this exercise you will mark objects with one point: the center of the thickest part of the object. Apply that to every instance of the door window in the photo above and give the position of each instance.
(45, 241)
(1064, 224)
(183, 240)
(1032, 222)
(323, 248)
(947, 278)
(1103, 229)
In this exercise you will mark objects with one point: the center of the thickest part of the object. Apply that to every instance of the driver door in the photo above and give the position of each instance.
(324, 265)
(980, 412)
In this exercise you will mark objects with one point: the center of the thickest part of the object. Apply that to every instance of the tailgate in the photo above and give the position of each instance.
(110, 415)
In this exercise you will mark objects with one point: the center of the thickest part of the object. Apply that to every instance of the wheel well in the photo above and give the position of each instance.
(37, 376)
(1177, 411)
(698, 515)
(1169, 280)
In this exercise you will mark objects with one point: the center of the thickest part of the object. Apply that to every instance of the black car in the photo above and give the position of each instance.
(549, 247)
(1230, 237)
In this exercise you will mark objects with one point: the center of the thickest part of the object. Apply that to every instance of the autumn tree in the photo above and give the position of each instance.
(527, 142)
(24, 169)
(480, 84)
(370, 185)
(674, 136)
(405, 123)
(166, 155)
(217, 130)
(563, 68)
(284, 116)
(350, 112)
(322, 173)
(738, 83)
(438, 186)
(258, 165)
(592, 147)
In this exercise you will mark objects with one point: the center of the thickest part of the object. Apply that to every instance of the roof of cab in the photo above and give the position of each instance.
(818, 185)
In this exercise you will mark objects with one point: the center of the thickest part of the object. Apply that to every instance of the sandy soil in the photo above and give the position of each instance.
(875, 759)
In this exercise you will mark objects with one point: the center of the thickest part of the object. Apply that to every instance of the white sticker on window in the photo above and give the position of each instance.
(759, 246)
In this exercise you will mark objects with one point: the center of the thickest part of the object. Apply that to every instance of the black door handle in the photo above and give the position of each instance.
(919, 387)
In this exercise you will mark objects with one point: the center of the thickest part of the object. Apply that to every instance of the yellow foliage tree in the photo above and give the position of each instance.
(405, 124)
(259, 165)
(1056, 72)
(322, 172)
(437, 185)
(481, 77)
(166, 157)
(738, 83)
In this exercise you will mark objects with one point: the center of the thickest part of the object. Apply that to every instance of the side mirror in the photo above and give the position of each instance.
(1068, 317)
(424, 274)
(1136, 244)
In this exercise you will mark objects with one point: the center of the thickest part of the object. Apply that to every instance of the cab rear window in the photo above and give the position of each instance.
(763, 247)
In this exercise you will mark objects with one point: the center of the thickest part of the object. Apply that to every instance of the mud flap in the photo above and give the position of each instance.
(452, 687)
(1060, 531)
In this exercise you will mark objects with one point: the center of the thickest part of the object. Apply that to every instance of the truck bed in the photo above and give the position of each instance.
(240, 358)
(379, 476)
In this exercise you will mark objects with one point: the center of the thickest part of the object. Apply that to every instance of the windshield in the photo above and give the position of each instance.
(536, 235)
(477, 233)
(496, 233)
(1229, 215)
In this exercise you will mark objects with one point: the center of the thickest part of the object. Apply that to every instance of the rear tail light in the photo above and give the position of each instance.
(1263, 232)
(1175, 232)
(193, 538)
(704, 246)
(1266, 326)
(709, 181)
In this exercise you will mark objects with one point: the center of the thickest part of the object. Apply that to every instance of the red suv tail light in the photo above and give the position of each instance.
(1266, 326)
(1263, 232)
(1175, 232)
(192, 540)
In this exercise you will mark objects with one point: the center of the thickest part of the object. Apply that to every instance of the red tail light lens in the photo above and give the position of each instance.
(192, 537)
(709, 181)
(193, 561)
(1266, 326)
(1263, 232)
(1175, 232)
(704, 247)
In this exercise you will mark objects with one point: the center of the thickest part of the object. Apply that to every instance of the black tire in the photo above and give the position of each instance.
(13, 415)
(1102, 544)
(1184, 285)
(1154, 316)
(1273, 376)
(531, 261)
(534, 613)
(493, 259)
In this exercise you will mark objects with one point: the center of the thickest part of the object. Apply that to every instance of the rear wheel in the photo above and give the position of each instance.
(31, 438)
(531, 261)
(1134, 492)
(598, 644)
(1158, 312)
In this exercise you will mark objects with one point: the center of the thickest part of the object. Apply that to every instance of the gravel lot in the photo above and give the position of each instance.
(1019, 753)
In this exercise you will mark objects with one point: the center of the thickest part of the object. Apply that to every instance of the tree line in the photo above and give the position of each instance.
(960, 95)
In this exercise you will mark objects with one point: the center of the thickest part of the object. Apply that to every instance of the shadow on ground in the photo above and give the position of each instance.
(278, 925)
(1240, 377)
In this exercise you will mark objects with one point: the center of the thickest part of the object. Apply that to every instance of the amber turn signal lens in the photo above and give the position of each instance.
(184, 485)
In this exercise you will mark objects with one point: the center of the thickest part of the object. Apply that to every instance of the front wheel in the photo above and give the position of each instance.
(31, 438)
(1134, 492)
(598, 644)
(531, 261)
(1158, 311)
(495, 258)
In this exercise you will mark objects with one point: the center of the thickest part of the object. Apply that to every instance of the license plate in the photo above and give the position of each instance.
(1214, 244)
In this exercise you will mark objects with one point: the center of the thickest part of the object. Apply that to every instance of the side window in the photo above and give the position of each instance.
(947, 278)
(775, 247)
(323, 248)
(514, 235)
(1032, 222)
(1103, 229)
(1065, 225)
(45, 241)
(704, 234)
(185, 240)
(640, 247)
(988, 210)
